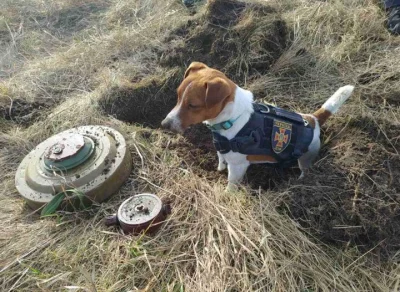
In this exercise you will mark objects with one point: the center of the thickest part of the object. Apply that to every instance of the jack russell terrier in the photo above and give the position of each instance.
(245, 132)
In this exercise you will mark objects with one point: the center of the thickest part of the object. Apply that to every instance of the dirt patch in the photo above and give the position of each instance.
(353, 197)
(146, 102)
(241, 39)
(198, 153)
(22, 111)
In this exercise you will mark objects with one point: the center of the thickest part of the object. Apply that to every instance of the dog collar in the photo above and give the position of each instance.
(223, 125)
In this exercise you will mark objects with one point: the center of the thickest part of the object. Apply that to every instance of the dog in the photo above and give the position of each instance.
(207, 96)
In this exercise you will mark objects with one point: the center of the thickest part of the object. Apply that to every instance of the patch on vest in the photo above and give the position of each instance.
(281, 135)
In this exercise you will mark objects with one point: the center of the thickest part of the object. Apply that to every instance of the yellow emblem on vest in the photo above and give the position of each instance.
(281, 135)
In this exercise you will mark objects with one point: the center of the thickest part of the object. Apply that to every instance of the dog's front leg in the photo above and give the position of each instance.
(236, 173)
(221, 162)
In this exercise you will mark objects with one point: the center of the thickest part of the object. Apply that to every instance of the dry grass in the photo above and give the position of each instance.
(336, 231)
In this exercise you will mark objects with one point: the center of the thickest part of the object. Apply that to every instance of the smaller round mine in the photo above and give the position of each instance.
(140, 209)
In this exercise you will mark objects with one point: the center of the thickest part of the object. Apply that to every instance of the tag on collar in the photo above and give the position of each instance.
(226, 125)
(223, 125)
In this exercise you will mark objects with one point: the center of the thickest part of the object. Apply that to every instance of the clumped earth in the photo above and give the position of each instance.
(229, 29)
(145, 102)
(23, 112)
(118, 63)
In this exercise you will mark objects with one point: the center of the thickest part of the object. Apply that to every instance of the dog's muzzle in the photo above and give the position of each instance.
(171, 124)
(166, 123)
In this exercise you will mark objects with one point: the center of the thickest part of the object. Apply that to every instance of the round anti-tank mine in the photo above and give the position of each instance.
(91, 160)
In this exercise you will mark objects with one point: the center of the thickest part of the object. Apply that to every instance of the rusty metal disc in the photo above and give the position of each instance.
(140, 213)
(93, 160)
(66, 145)
(139, 209)
(69, 151)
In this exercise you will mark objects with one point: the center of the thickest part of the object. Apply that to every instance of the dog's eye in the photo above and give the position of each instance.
(193, 106)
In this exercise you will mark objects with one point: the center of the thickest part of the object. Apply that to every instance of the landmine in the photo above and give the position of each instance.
(91, 160)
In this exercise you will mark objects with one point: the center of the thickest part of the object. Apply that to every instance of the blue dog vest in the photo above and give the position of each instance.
(271, 131)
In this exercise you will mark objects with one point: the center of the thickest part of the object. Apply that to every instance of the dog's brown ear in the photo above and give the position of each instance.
(216, 91)
(195, 66)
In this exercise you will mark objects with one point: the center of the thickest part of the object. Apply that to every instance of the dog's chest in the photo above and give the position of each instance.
(234, 158)
(238, 158)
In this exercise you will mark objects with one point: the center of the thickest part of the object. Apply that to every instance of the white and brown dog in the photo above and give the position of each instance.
(207, 96)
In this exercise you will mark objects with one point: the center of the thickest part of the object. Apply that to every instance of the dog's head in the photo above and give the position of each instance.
(202, 95)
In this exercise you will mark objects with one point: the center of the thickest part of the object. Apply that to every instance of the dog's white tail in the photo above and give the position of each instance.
(332, 105)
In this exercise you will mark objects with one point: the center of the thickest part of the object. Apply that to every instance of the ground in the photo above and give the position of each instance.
(118, 63)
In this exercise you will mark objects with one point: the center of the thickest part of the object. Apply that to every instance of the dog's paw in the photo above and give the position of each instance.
(303, 175)
(232, 187)
(221, 166)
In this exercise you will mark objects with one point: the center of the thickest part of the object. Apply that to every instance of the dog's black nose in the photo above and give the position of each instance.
(166, 123)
